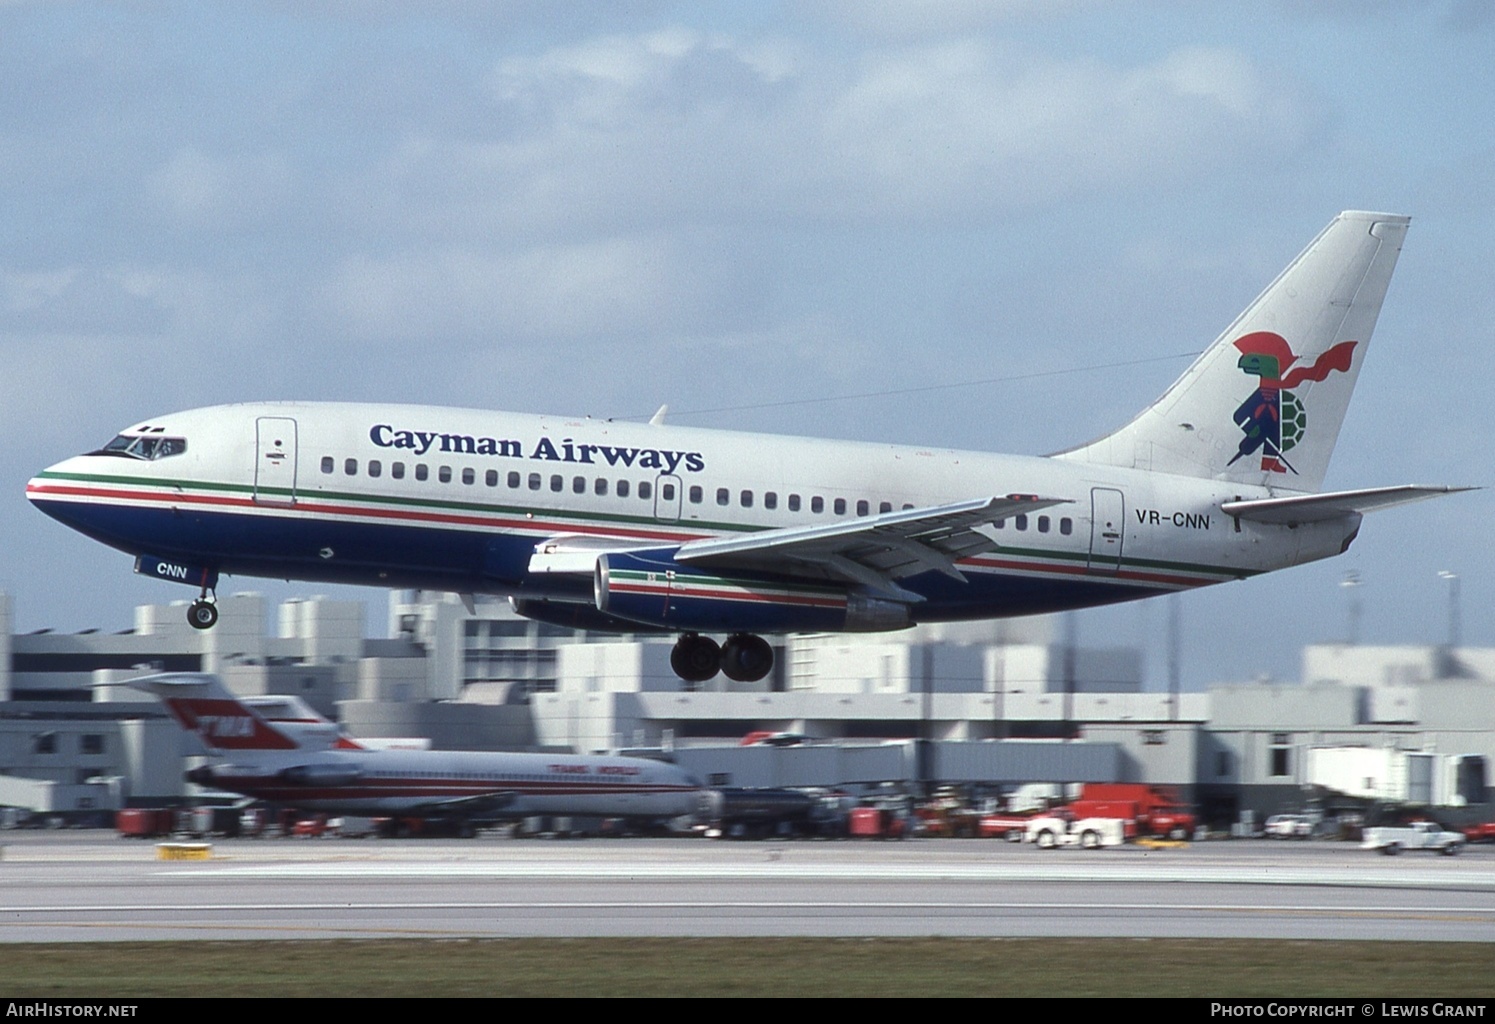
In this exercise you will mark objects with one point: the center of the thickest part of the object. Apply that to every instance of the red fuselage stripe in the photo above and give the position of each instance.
(310, 505)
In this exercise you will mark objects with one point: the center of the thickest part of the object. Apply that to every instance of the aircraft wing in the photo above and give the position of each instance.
(1313, 508)
(873, 550)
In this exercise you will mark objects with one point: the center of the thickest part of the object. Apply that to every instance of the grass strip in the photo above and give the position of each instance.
(752, 967)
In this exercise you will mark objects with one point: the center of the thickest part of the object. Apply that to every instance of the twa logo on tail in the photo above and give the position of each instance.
(1273, 418)
(226, 724)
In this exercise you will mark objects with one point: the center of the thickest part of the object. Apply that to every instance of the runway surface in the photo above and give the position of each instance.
(61, 886)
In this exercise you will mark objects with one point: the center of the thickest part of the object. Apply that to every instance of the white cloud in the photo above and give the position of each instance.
(31, 290)
(615, 286)
(198, 189)
(633, 132)
(70, 383)
(78, 298)
(924, 18)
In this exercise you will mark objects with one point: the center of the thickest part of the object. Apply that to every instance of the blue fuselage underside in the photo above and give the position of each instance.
(436, 558)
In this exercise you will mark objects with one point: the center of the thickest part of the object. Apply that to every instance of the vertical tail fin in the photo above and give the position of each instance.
(201, 704)
(1264, 404)
(292, 716)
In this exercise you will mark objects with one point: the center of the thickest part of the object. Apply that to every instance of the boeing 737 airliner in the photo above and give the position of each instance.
(637, 527)
(280, 751)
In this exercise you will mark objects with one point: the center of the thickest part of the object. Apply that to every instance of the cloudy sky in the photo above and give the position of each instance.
(993, 224)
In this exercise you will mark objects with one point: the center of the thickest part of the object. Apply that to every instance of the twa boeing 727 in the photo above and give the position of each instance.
(280, 751)
(646, 527)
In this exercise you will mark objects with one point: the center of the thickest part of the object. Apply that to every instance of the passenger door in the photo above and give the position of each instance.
(1107, 528)
(275, 460)
(667, 498)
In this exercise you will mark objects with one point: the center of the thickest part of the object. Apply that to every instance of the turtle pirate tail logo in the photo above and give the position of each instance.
(1273, 418)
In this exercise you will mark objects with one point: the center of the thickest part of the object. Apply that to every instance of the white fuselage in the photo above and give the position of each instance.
(459, 499)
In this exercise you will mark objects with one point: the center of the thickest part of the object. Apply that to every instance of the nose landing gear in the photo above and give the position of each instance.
(203, 613)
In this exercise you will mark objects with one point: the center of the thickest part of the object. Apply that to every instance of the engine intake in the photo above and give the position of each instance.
(321, 774)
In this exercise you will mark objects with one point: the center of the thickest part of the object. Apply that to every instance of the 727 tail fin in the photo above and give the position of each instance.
(1263, 404)
(201, 704)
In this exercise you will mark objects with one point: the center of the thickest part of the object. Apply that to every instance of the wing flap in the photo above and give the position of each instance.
(1314, 508)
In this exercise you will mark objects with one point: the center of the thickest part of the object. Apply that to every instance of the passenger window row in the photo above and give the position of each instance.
(839, 506)
(513, 479)
(1044, 524)
(600, 486)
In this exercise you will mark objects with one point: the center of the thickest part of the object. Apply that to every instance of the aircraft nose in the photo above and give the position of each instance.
(41, 486)
(51, 491)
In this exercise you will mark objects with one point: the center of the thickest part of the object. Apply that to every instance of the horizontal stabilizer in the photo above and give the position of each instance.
(1314, 508)
(873, 550)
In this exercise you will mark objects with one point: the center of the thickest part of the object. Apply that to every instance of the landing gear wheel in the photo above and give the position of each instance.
(695, 658)
(746, 658)
(202, 614)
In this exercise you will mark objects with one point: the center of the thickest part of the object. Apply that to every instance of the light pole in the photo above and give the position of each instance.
(1453, 605)
(1175, 631)
(1351, 584)
(1071, 641)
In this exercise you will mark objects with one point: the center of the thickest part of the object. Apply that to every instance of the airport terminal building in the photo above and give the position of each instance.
(989, 705)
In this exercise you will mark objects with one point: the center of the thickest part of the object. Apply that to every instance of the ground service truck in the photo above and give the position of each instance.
(1153, 810)
(1418, 835)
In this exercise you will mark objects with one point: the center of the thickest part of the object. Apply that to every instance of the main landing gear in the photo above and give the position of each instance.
(203, 613)
(744, 658)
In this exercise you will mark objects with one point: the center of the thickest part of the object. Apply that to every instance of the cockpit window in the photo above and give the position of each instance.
(147, 449)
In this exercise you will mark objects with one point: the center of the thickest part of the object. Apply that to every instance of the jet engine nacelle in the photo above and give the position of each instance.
(650, 587)
(227, 775)
(224, 775)
(321, 774)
